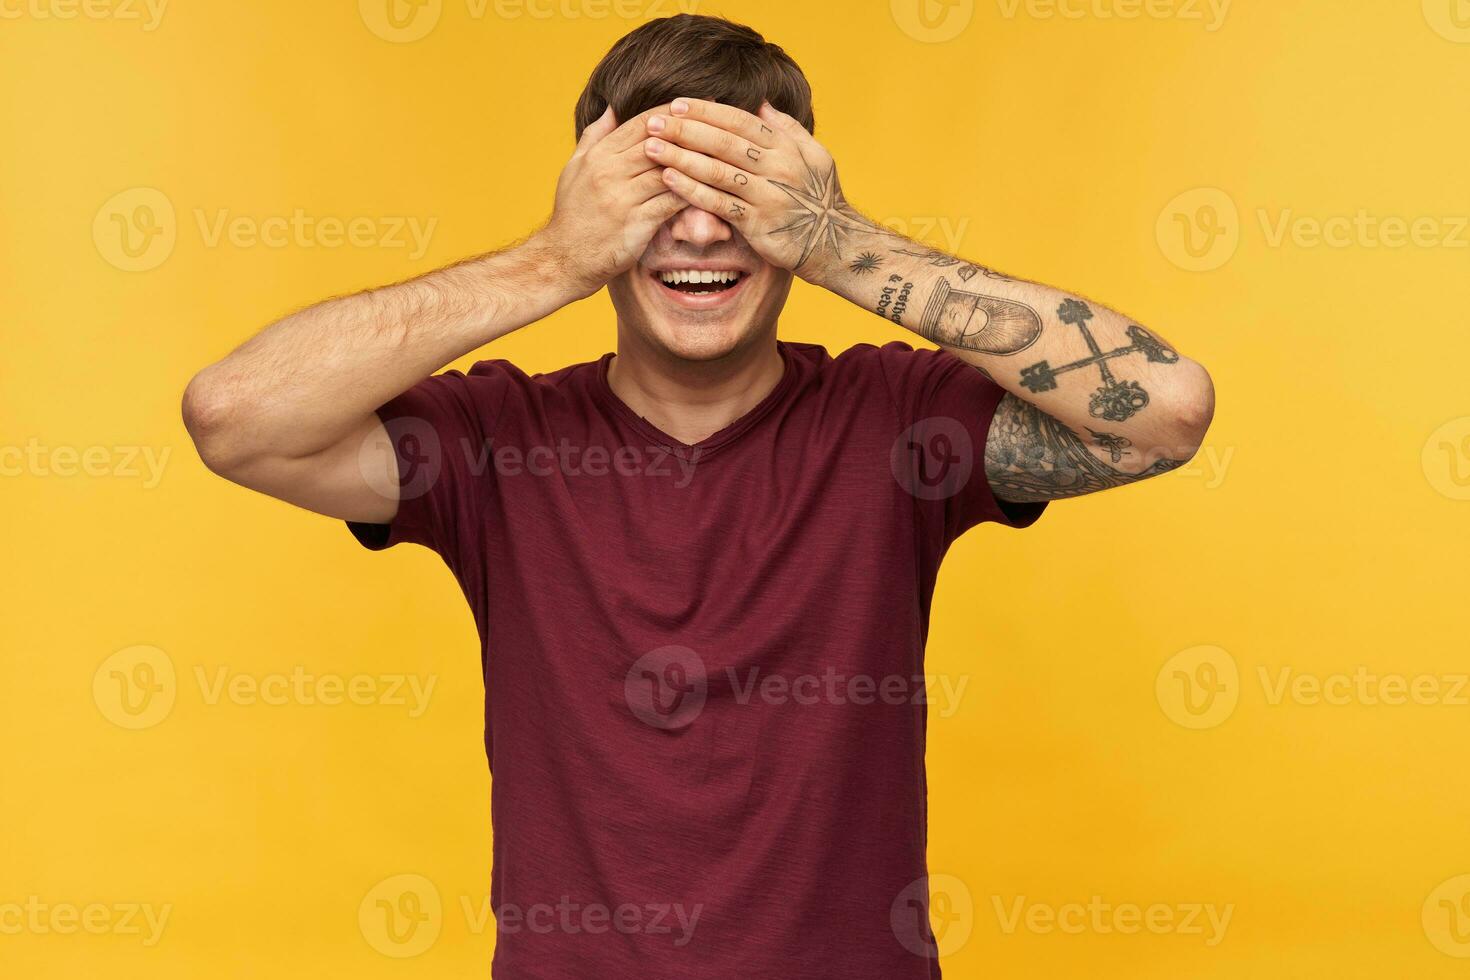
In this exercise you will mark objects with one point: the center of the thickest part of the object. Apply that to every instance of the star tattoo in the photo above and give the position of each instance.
(822, 216)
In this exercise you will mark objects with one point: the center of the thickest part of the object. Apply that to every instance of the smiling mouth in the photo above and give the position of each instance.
(699, 282)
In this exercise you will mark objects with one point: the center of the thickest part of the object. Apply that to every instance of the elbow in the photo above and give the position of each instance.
(212, 417)
(1192, 409)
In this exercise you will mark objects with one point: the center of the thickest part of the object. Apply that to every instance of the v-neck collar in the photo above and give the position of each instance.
(713, 442)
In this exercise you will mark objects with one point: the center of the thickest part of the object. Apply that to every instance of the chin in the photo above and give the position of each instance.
(700, 311)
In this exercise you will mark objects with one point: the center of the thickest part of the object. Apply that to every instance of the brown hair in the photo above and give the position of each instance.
(698, 57)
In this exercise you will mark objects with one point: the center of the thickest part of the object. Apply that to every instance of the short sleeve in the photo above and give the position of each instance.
(945, 408)
(440, 430)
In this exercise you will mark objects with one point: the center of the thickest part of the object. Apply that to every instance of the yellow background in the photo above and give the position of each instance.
(1321, 530)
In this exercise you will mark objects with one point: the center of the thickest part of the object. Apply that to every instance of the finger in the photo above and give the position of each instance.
(783, 123)
(647, 185)
(596, 130)
(644, 220)
(632, 132)
(726, 117)
(710, 140)
(706, 198)
(705, 169)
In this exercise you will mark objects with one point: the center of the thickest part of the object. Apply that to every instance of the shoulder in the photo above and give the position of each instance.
(507, 379)
(895, 366)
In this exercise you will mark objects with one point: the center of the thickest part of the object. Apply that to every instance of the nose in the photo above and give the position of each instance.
(699, 228)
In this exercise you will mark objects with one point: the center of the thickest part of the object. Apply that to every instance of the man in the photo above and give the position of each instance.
(701, 569)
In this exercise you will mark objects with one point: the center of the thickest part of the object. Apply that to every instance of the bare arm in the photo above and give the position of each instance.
(291, 412)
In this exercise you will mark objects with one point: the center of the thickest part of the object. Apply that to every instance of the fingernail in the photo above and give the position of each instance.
(680, 106)
(656, 124)
(655, 146)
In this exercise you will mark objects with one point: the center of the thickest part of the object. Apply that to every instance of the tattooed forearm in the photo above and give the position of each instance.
(977, 322)
(1116, 400)
(1030, 456)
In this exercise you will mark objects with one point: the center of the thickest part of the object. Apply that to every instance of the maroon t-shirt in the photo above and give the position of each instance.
(704, 705)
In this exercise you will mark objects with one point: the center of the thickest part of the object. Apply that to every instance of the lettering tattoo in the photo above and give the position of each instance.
(894, 299)
(1115, 400)
(1030, 456)
(974, 321)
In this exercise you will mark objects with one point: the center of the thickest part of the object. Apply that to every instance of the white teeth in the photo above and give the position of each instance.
(674, 276)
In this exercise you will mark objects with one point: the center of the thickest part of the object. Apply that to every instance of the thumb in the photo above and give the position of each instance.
(598, 128)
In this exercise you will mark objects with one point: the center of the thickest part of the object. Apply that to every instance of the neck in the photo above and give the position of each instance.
(692, 400)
